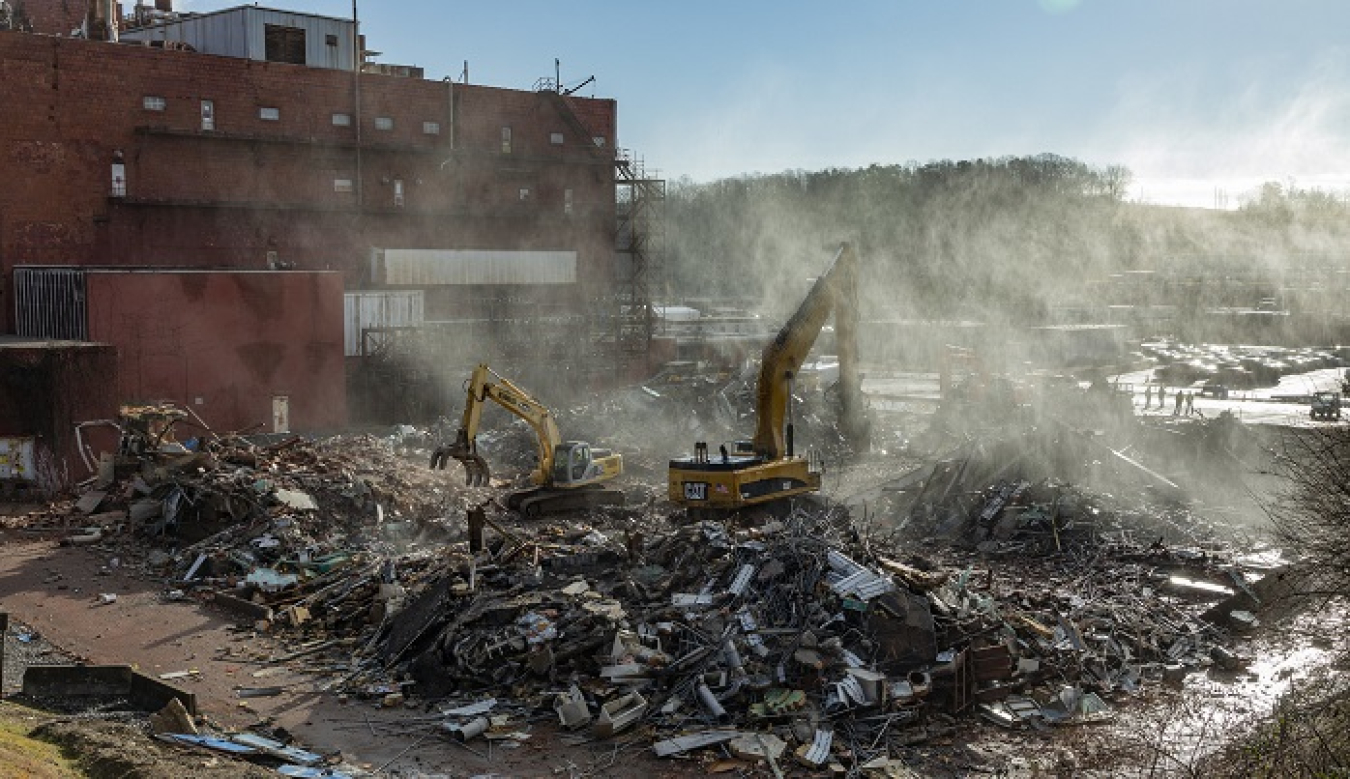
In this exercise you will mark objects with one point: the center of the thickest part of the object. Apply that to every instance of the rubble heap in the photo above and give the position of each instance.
(816, 634)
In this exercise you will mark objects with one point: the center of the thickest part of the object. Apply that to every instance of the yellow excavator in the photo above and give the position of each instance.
(766, 469)
(570, 474)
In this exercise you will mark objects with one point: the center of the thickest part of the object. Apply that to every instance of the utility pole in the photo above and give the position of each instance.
(357, 56)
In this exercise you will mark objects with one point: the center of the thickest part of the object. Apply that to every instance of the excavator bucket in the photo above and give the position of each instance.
(476, 472)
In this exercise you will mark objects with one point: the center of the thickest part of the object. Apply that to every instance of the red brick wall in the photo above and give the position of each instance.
(52, 17)
(224, 343)
(228, 197)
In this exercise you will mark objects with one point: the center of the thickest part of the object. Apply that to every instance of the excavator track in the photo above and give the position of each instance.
(539, 501)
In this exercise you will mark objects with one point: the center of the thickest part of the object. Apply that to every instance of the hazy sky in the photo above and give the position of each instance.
(1196, 97)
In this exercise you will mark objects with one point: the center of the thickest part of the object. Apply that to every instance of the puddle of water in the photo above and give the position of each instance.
(1167, 734)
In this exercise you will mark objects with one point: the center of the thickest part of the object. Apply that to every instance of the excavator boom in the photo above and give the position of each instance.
(833, 292)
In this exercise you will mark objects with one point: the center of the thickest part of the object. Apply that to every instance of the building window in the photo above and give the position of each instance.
(398, 193)
(208, 114)
(153, 103)
(431, 128)
(556, 139)
(524, 194)
(342, 120)
(599, 141)
(506, 140)
(342, 185)
(119, 176)
(567, 201)
(384, 123)
(284, 44)
(269, 114)
(330, 39)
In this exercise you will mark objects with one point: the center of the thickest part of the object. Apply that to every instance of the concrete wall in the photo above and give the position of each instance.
(225, 343)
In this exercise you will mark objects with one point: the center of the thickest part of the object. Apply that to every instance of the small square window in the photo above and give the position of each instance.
(556, 139)
(599, 140)
(342, 120)
(331, 40)
(431, 128)
(342, 185)
(384, 123)
(153, 103)
(269, 114)
(524, 194)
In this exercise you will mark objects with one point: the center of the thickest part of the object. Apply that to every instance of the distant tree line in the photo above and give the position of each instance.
(1004, 239)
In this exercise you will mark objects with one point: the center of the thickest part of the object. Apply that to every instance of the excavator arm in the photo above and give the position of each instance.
(835, 292)
(484, 385)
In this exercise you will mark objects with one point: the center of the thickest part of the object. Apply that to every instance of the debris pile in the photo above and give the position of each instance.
(816, 638)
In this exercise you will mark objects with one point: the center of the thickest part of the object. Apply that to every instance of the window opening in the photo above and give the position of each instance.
(284, 44)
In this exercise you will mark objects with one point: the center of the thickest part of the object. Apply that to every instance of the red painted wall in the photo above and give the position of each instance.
(224, 343)
(229, 196)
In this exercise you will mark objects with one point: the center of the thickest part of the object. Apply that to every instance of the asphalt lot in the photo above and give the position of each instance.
(1267, 405)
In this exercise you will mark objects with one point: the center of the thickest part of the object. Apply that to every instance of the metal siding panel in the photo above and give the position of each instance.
(255, 35)
(50, 303)
(435, 267)
(239, 33)
(393, 308)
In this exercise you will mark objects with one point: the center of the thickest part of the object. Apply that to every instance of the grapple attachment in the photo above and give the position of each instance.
(476, 473)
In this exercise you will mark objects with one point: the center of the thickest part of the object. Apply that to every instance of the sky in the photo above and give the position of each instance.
(1203, 100)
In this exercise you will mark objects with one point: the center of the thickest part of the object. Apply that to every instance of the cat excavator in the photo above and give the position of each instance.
(570, 474)
(767, 470)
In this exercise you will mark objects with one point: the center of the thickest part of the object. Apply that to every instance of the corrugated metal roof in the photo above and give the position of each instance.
(454, 267)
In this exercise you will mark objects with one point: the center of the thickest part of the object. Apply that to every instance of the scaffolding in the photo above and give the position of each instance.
(640, 243)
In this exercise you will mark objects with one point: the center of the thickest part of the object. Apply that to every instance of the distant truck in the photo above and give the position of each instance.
(1326, 405)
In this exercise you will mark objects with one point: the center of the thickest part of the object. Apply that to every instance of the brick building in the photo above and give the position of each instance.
(128, 154)
(152, 153)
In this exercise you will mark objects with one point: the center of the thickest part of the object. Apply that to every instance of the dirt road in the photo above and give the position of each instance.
(58, 591)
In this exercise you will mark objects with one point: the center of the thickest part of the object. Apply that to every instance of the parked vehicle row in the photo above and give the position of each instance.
(1236, 366)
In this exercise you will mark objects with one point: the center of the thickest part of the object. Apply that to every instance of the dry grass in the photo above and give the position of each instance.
(21, 755)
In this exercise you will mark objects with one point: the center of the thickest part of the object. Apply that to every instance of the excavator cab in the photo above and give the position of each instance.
(576, 463)
(571, 462)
